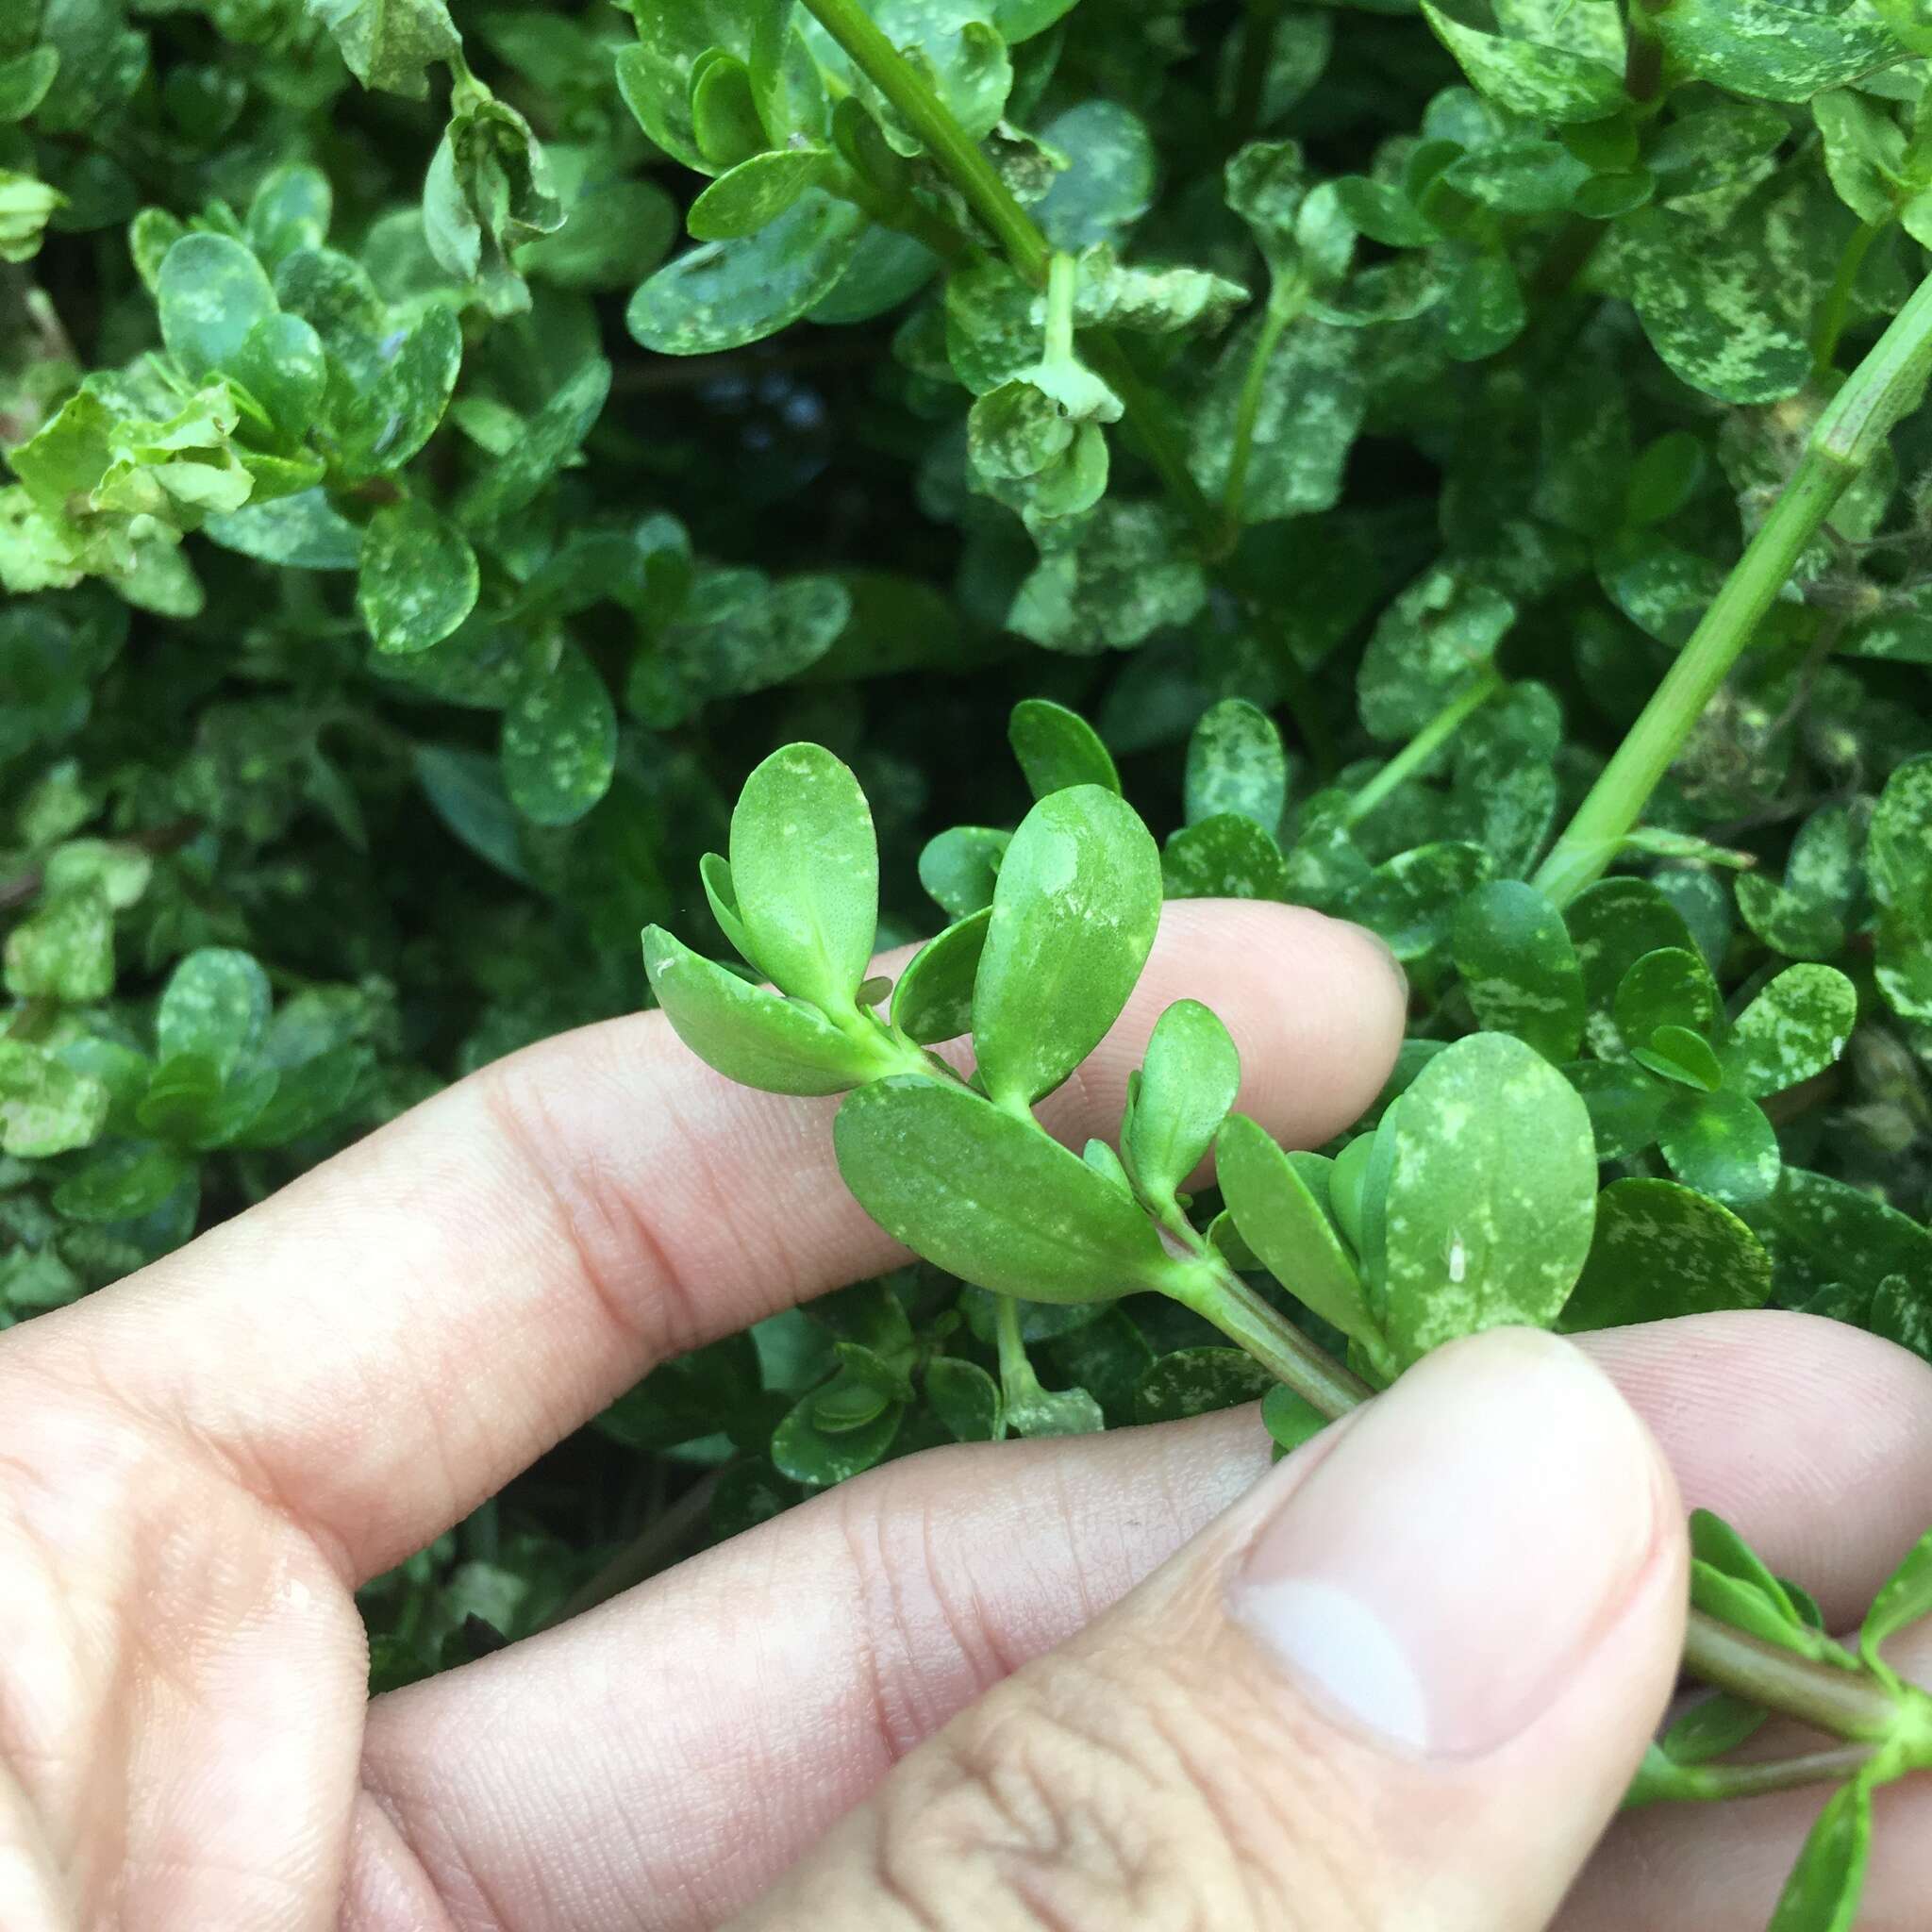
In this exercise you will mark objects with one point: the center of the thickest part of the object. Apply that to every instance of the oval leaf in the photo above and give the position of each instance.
(805, 864)
(1188, 1080)
(418, 578)
(1491, 1198)
(749, 1033)
(1661, 1250)
(1074, 916)
(933, 1000)
(1519, 967)
(990, 1198)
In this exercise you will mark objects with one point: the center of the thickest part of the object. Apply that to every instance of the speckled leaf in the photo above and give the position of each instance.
(390, 44)
(1519, 969)
(1311, 402)
(388, 424)
(1074, 916)
(1198, 1381)
(543, 445)
(417, 579)
(64, 949)
(748, 1033)
(559, 739)
(804, 863)
(1288, 1230)
(211, 292)
(46, 1107)
(1126, 573)
(302, 532)
(1522, 177)
(959, 867)
(1796, 1027)
(1806, 917)
(1825, 1887)
(123, 1181)
(1235, 763)
(1771, 53)
(1823, 1231)
(654, 76)
(741, 200)
(1898, 862)
(966, 1399)
(1411, 900)
(1613, 923)
(1626, 1105)
(1225, 857)
(1056, 747)
(1721, 1144)
(1492, 1199)
(1187, 1083)
(1715, 307)
(990, 1198)
(1108, 181)
(1530, 77)
(725, 294)
(1660, 1251)
(933, 1000)
(809, 1451)
(215, 1004)
(1426, 646)
(1670, 986)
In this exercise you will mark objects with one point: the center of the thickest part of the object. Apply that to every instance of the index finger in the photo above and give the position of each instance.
(384, 1343)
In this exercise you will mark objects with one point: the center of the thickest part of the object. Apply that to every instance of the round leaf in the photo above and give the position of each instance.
(1721, 1144)
(1492, 1199)
(1073, 917)
(211, 292)
(1796, 1027)
(559, 742)
(1058, 748)
(1661, 1250)
(1518, 968)
(1188, 1082)
(418, 578)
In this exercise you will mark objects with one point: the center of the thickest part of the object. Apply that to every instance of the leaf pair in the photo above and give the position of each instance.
(1470, 1206)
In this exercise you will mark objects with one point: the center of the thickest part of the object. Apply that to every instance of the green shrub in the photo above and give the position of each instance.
(1418, 439)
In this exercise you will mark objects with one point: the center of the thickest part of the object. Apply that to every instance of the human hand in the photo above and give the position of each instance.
(198, 1465)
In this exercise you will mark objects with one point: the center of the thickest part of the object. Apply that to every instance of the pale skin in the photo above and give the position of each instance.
(198, 1465)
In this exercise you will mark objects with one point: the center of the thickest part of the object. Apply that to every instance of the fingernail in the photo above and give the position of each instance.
(1464, 1544)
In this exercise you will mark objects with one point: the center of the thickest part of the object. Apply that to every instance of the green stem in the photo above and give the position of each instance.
(1017, 234)
(1847, 1704)
(1062, 278)
(1208, 1286)
(1838, 300)
(1714, 1783)
(928, 117)
(1852, 428)
(1281, 313)
(1416, 753)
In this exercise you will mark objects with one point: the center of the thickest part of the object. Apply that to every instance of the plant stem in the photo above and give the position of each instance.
(1218, 1294)
(1713, 1783)
(1838, 300)
(1844, 1703)
(930, 118)
(1853, 427)
(1275, 320)
(1017, 234)
(1424, 744)
(651, 1550)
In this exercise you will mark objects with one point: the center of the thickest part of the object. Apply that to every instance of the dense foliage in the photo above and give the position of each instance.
(411, 542)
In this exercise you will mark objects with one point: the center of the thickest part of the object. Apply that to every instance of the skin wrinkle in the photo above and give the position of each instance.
(547, 1771)
(1737, 1407)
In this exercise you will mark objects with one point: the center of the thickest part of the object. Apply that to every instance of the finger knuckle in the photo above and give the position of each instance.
(1123, 1787)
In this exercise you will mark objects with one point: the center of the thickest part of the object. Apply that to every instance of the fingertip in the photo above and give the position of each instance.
(1316, 1005)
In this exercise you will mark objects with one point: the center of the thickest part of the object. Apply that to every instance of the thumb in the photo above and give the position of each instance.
(1402, 1684)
